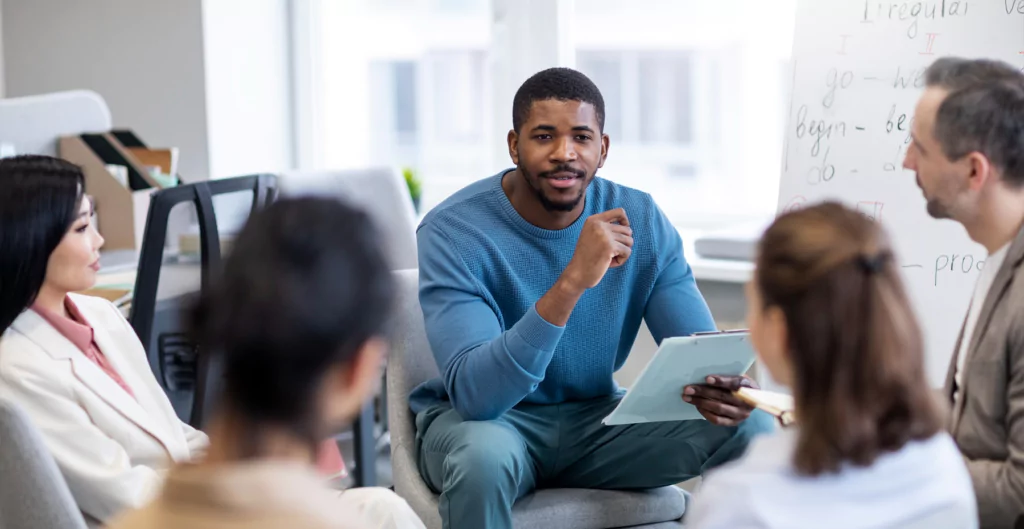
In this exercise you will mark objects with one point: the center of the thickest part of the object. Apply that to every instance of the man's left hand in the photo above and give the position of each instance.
(716, 402)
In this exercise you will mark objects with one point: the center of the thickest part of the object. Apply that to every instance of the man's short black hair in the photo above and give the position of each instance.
(563, 84)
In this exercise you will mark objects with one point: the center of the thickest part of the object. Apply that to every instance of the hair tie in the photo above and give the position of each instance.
(872, 264)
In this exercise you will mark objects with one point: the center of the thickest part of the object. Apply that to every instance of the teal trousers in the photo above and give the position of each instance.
(480, 468)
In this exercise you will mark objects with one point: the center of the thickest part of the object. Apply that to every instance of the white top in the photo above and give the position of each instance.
(985, 280)
(923, 485)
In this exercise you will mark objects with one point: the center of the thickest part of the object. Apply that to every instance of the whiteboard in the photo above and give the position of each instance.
(857, 73)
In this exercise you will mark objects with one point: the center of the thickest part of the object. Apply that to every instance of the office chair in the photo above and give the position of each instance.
(412, 364)
(180, 370)
(190, 378)
(34, 493)
(383, 193)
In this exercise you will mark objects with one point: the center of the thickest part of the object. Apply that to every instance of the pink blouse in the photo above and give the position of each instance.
(79, 333)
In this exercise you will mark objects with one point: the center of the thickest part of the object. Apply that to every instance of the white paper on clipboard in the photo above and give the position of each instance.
(657, 395)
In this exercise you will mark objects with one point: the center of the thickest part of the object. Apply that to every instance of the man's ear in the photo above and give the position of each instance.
(980, 170)
(513, 147)
(605, 143)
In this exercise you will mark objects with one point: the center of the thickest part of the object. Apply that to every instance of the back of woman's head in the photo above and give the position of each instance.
(854, 344)
(305, 287)
(39, 200)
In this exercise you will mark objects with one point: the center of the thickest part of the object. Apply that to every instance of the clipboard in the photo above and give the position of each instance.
(657, 395)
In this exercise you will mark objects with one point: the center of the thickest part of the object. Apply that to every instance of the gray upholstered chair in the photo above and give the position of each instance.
(384, 194)
(411, 363)
(33, 493)
(381, 191)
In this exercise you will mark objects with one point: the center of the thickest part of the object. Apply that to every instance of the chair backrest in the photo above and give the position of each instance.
(175, 362)
(33, 493)
(409, 364)
(382, 192)
(32, 124)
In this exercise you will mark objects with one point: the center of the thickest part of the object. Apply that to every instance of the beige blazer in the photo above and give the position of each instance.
(256, 495)
(988, 421)
(111, 448)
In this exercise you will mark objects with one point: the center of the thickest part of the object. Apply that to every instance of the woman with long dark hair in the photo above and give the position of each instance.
(77, 368)
(72, 362)
(830, 319)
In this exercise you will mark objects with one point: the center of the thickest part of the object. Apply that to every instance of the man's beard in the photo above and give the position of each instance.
(935, 208)
(938, 210)
(564, 207)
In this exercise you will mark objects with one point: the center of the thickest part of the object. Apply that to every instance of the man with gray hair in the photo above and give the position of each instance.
(968, 153)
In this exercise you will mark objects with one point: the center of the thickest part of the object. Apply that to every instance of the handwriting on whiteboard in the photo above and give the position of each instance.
(850, 124)
(859, 69)
(871, 209)
(912, 13)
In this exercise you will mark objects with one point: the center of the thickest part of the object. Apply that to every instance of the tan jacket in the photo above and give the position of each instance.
(259, 495)
(988, 421)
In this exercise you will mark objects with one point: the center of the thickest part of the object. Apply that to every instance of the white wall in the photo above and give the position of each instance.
(211, 77)
(248, 93)
(550, 27)
(145, 57)
(3, 87)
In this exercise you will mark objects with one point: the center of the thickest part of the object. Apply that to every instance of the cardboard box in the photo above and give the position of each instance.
(120, 211)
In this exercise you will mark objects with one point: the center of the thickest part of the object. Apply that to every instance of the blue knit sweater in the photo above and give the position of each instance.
(482, 270)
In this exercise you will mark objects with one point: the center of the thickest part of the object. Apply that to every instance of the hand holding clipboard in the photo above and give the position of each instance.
(679, 363)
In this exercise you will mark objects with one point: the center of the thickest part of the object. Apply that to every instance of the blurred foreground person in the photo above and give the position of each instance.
(298, 319)
(829, 318)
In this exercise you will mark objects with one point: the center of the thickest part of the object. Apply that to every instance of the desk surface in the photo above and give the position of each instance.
(718, 270)
(176, 278)
(179, 278)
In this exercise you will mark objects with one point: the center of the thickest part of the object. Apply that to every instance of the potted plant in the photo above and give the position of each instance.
(415, 186)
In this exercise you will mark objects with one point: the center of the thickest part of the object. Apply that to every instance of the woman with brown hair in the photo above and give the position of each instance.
(830, 319)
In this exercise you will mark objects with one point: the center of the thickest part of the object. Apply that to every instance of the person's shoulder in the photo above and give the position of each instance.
(726, 497)
(95, 306)
(102, 314)
(1014, 304)
(946, 478)
(141, 518)
(21, 356)
(468, 202)
(640, 206)
(768, 456)
(333, 518)
(612, 194)
(323, 509)
(940, 453)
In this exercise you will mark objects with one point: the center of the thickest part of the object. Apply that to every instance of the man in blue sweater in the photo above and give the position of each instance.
(533, 284)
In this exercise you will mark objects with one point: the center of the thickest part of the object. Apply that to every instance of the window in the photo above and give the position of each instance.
(695, 91)
(404, 83)
(658, 110)
(695, 98)
(404, 104)
(393, 101)
(456, 95)
(666, 98)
